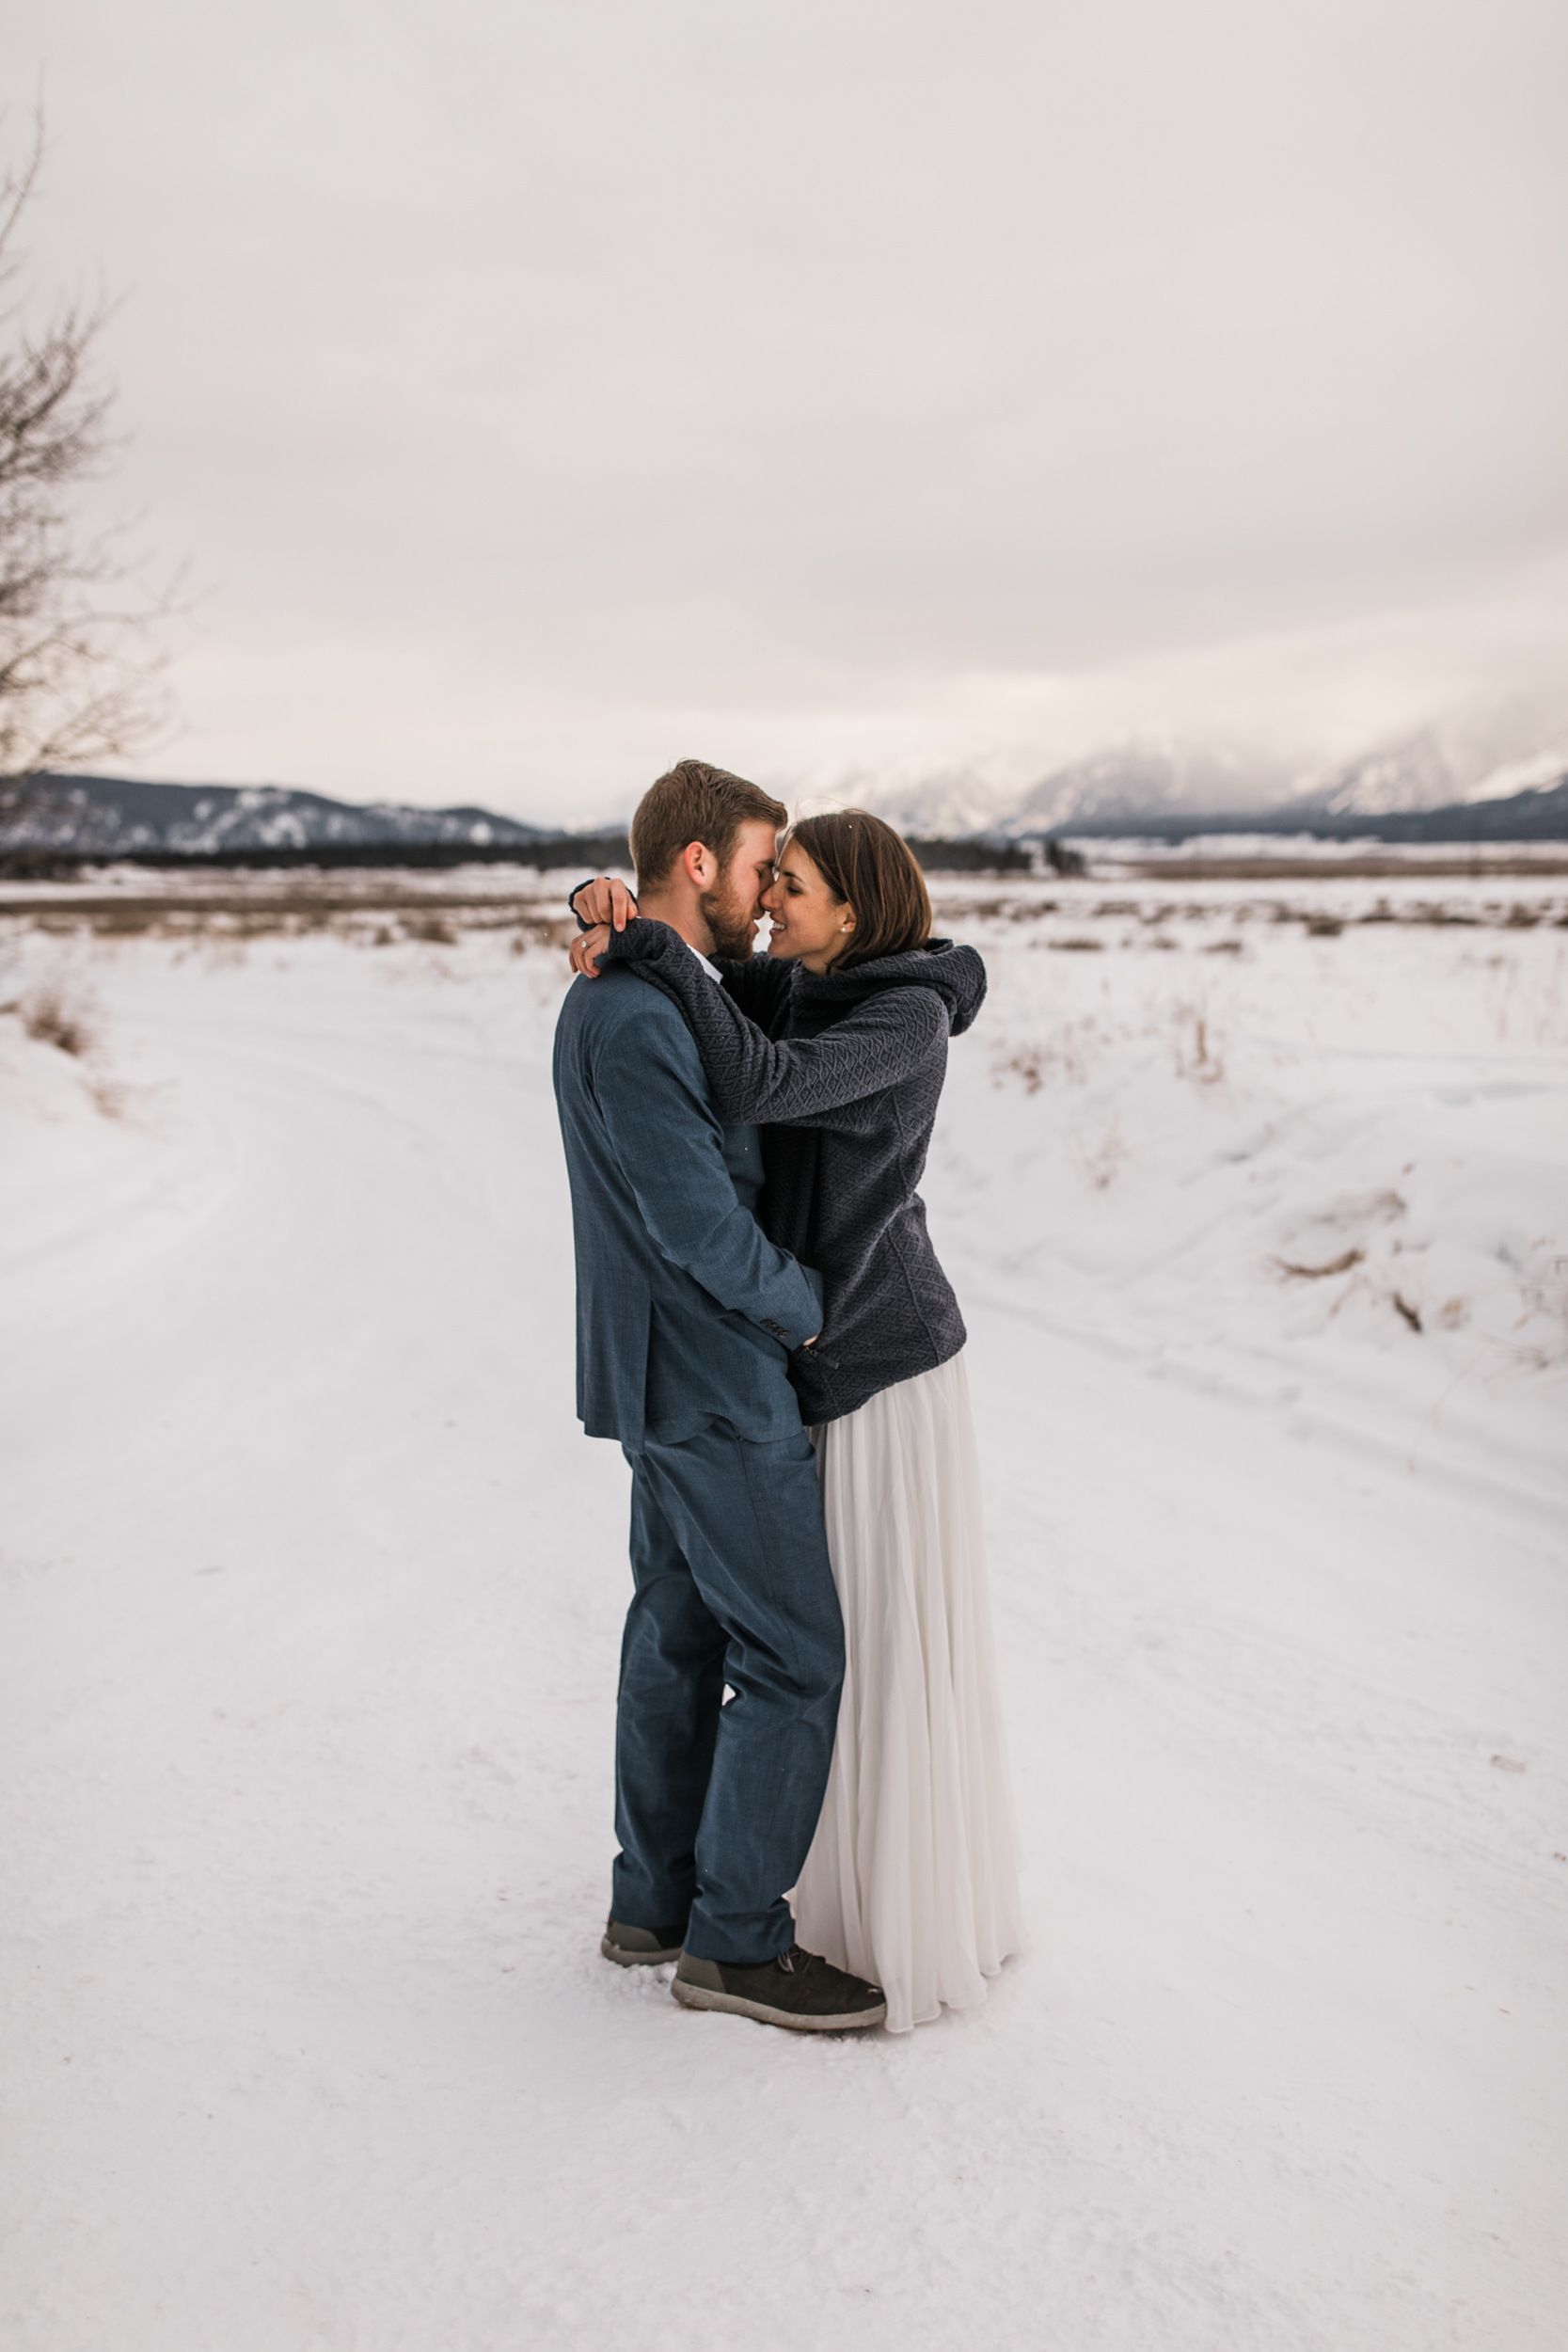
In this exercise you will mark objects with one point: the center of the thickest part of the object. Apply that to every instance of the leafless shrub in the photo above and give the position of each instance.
(76, 667)
(1323, 927)
(1197, 1056)
(53, 1019)
(1077, 946)
(1410, 1313)
(1026, 1063)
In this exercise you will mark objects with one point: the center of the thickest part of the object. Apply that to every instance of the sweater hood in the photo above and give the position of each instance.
(957, 974)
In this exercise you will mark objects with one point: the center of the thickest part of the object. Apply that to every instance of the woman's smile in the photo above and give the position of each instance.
(809, 922)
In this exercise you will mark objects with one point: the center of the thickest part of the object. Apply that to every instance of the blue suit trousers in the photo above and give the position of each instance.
(717, 1802)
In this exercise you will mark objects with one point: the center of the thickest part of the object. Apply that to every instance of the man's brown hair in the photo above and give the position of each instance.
(695, 802)
(863, 861)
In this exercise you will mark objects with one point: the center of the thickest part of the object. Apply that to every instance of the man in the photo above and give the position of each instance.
(686, 1317)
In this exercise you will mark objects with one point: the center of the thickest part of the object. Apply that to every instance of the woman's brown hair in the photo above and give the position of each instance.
(865, 862)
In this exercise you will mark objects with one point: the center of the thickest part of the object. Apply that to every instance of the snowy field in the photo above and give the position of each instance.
(1256, 1201)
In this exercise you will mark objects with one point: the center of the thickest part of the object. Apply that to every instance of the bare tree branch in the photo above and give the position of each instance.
(79, 668)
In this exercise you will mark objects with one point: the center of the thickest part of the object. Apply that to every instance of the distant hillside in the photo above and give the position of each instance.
(1146, 778)
(1164, 796)
(1152, 784)
(110, 817)
(1539, 815)
(1135, 782)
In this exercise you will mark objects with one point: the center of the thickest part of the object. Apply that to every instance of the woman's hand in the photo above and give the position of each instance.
(604, 901)
(589, 947)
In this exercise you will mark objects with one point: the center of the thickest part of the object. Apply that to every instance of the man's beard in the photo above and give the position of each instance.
(729, 920)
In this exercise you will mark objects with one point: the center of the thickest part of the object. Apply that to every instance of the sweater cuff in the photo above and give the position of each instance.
(642, 941)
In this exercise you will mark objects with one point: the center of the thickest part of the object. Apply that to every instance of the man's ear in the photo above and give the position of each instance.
(699, 863)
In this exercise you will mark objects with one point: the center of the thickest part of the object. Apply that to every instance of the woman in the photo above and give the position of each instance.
(837, 1044)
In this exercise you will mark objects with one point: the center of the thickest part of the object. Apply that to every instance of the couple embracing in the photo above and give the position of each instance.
(808, 1702)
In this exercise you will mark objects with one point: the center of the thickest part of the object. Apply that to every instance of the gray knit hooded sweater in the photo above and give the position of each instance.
(844, 1073)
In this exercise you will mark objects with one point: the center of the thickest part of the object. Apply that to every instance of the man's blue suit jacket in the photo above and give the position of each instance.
(685, 1310)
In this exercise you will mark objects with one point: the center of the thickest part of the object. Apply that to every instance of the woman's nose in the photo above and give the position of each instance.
(771, 899)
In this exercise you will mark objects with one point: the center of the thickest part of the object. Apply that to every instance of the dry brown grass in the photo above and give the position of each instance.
(1195, 1052)
(53, 1018)
(1340, 1264)
(380, 917)
(1464, 868)
(193, 926)
(69, 1023)
(1036, 1062)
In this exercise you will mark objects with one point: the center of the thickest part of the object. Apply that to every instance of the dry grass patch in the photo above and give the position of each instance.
(53, 1018)
(1195, 1053)
(1340, 1264)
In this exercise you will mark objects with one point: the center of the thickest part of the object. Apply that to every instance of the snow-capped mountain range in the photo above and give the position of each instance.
(108, 815)
(1161, 780)
(1425, 784)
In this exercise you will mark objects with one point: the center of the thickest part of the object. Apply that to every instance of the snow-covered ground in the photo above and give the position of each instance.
(312, 1592)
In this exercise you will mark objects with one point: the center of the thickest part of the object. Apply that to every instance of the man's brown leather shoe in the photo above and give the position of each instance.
(799, 1989)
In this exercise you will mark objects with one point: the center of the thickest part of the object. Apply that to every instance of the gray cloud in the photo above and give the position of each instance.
(862, 382)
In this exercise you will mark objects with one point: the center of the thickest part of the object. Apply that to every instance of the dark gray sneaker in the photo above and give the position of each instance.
(799, 1989)
(640, 1947)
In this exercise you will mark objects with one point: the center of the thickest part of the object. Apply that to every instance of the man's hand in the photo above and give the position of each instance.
(589, 947)
(604, 901)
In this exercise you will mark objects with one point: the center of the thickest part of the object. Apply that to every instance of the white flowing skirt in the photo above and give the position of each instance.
(912, 1876)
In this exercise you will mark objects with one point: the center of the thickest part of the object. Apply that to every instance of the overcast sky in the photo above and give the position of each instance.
(541, 392)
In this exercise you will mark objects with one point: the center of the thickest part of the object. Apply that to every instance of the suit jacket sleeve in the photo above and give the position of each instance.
(661, 1125)
(828, 1081)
